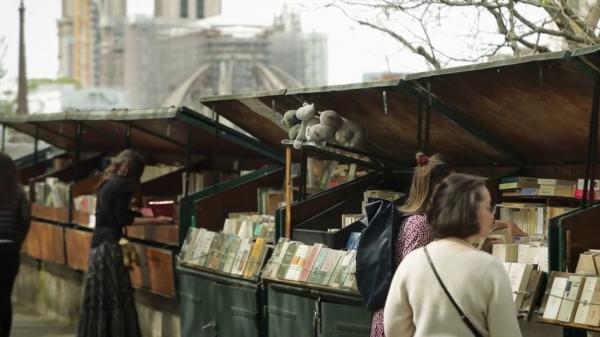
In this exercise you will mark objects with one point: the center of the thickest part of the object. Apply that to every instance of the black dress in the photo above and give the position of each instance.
(108, 306)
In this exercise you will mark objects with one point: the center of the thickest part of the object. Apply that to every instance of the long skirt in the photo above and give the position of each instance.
(108, 305)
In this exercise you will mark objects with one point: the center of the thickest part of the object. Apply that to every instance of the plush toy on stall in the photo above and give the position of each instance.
(293, 123)
(350, 135)
(306, 114)
(325, 131)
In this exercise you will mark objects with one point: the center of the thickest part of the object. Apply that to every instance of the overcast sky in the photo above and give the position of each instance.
(352, 51)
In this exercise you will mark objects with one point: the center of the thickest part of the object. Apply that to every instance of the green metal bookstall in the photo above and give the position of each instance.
(534, 115)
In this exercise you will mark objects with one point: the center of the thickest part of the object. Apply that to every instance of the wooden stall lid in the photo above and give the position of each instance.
(78, 244)
(155, 272)
(517, 112)
(213, 206)
(45, 242)
(580, 232)
(157, 131)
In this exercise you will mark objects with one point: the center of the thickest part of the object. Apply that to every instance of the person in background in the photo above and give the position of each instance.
(415, 230)
(417, 305)
(14, 225)
(108, 308)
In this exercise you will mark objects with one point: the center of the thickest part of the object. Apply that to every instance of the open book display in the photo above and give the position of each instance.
(572, 300)
(251, 226)
(224, 253)
(314, 265)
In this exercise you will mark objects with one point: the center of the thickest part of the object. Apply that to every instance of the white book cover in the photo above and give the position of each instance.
(572, 294)
(294, 271)
(242, 257)
(522, 253)
(276, 260)
(203, 247)
(341, 269)
(499, 251)
(589, 286)
(194, 245)
(519, 277)
(555, 297)
(538, 255)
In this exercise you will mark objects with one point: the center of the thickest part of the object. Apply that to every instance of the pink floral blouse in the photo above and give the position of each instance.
(415, 233)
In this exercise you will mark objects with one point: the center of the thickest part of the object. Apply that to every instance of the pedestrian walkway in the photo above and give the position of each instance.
(26, 323)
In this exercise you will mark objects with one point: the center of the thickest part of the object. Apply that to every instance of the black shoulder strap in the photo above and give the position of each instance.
(464, 318)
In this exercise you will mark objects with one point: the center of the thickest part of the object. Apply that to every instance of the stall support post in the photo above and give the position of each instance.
(303, 173)
(128, 137)
(188, 161)
(592, 147)
(35, 145)
(3, 137)
(288, 192)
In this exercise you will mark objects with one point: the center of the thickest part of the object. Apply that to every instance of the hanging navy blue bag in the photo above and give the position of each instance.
(375, 266)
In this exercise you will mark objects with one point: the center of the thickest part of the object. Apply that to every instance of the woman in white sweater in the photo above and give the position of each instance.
(460, 214)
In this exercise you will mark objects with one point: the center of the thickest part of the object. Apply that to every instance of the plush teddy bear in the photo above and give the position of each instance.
(331, 119)
(289, 119)
(306, 114)
(350, 135)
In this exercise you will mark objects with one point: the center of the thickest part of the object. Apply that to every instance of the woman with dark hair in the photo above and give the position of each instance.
(108, 305)
(416, 230)
(420, 304)
(14, 225)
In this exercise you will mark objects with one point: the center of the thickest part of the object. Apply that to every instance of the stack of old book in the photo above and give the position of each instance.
(224, 253)
(250, 225)
(531, 186)
(312, 264)
(52, 193)
(594, 189)
(534, 253)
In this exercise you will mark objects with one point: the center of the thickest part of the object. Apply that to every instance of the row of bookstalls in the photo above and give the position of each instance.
(189, 156)
(527, 122)
(253, 210)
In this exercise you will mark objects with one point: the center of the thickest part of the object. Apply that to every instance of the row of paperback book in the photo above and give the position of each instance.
(312, 264)
(224, 253)
(531, 217)
(527, 253)
(532, 186)
(250, 225)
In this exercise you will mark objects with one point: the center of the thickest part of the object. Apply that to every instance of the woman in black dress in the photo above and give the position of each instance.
(108, 305)
(14, 224)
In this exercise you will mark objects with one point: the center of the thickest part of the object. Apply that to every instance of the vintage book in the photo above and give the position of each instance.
(229, 252)
(593, 317)
(522, 251)
(519, 277)
(287, 259)
(350, 279)
(566, 312)
(201, 252)
(257, 255)
(557, 191)
(590, 286)
(328, 266)
(315, 273)
(518, 180)
(341, 269)
(189, 241)
(241, 258)
(505, 252)
(313, 253)
(276, 257)
(246, 229)
(586, 264)
(534, 289)
(515, 185)
(348, 219)
(557, 292)
(297, 263)
(538, 255)
(555, 182)
(215, 253)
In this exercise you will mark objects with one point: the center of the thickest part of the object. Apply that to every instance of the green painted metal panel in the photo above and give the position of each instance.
(289, 314)
(238, 311)
(187, 204)
(197, 303)
(344, 320)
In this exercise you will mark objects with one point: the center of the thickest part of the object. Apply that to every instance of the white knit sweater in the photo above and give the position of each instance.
(417, 306)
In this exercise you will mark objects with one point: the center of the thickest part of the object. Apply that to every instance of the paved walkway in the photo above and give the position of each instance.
(26, 323)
